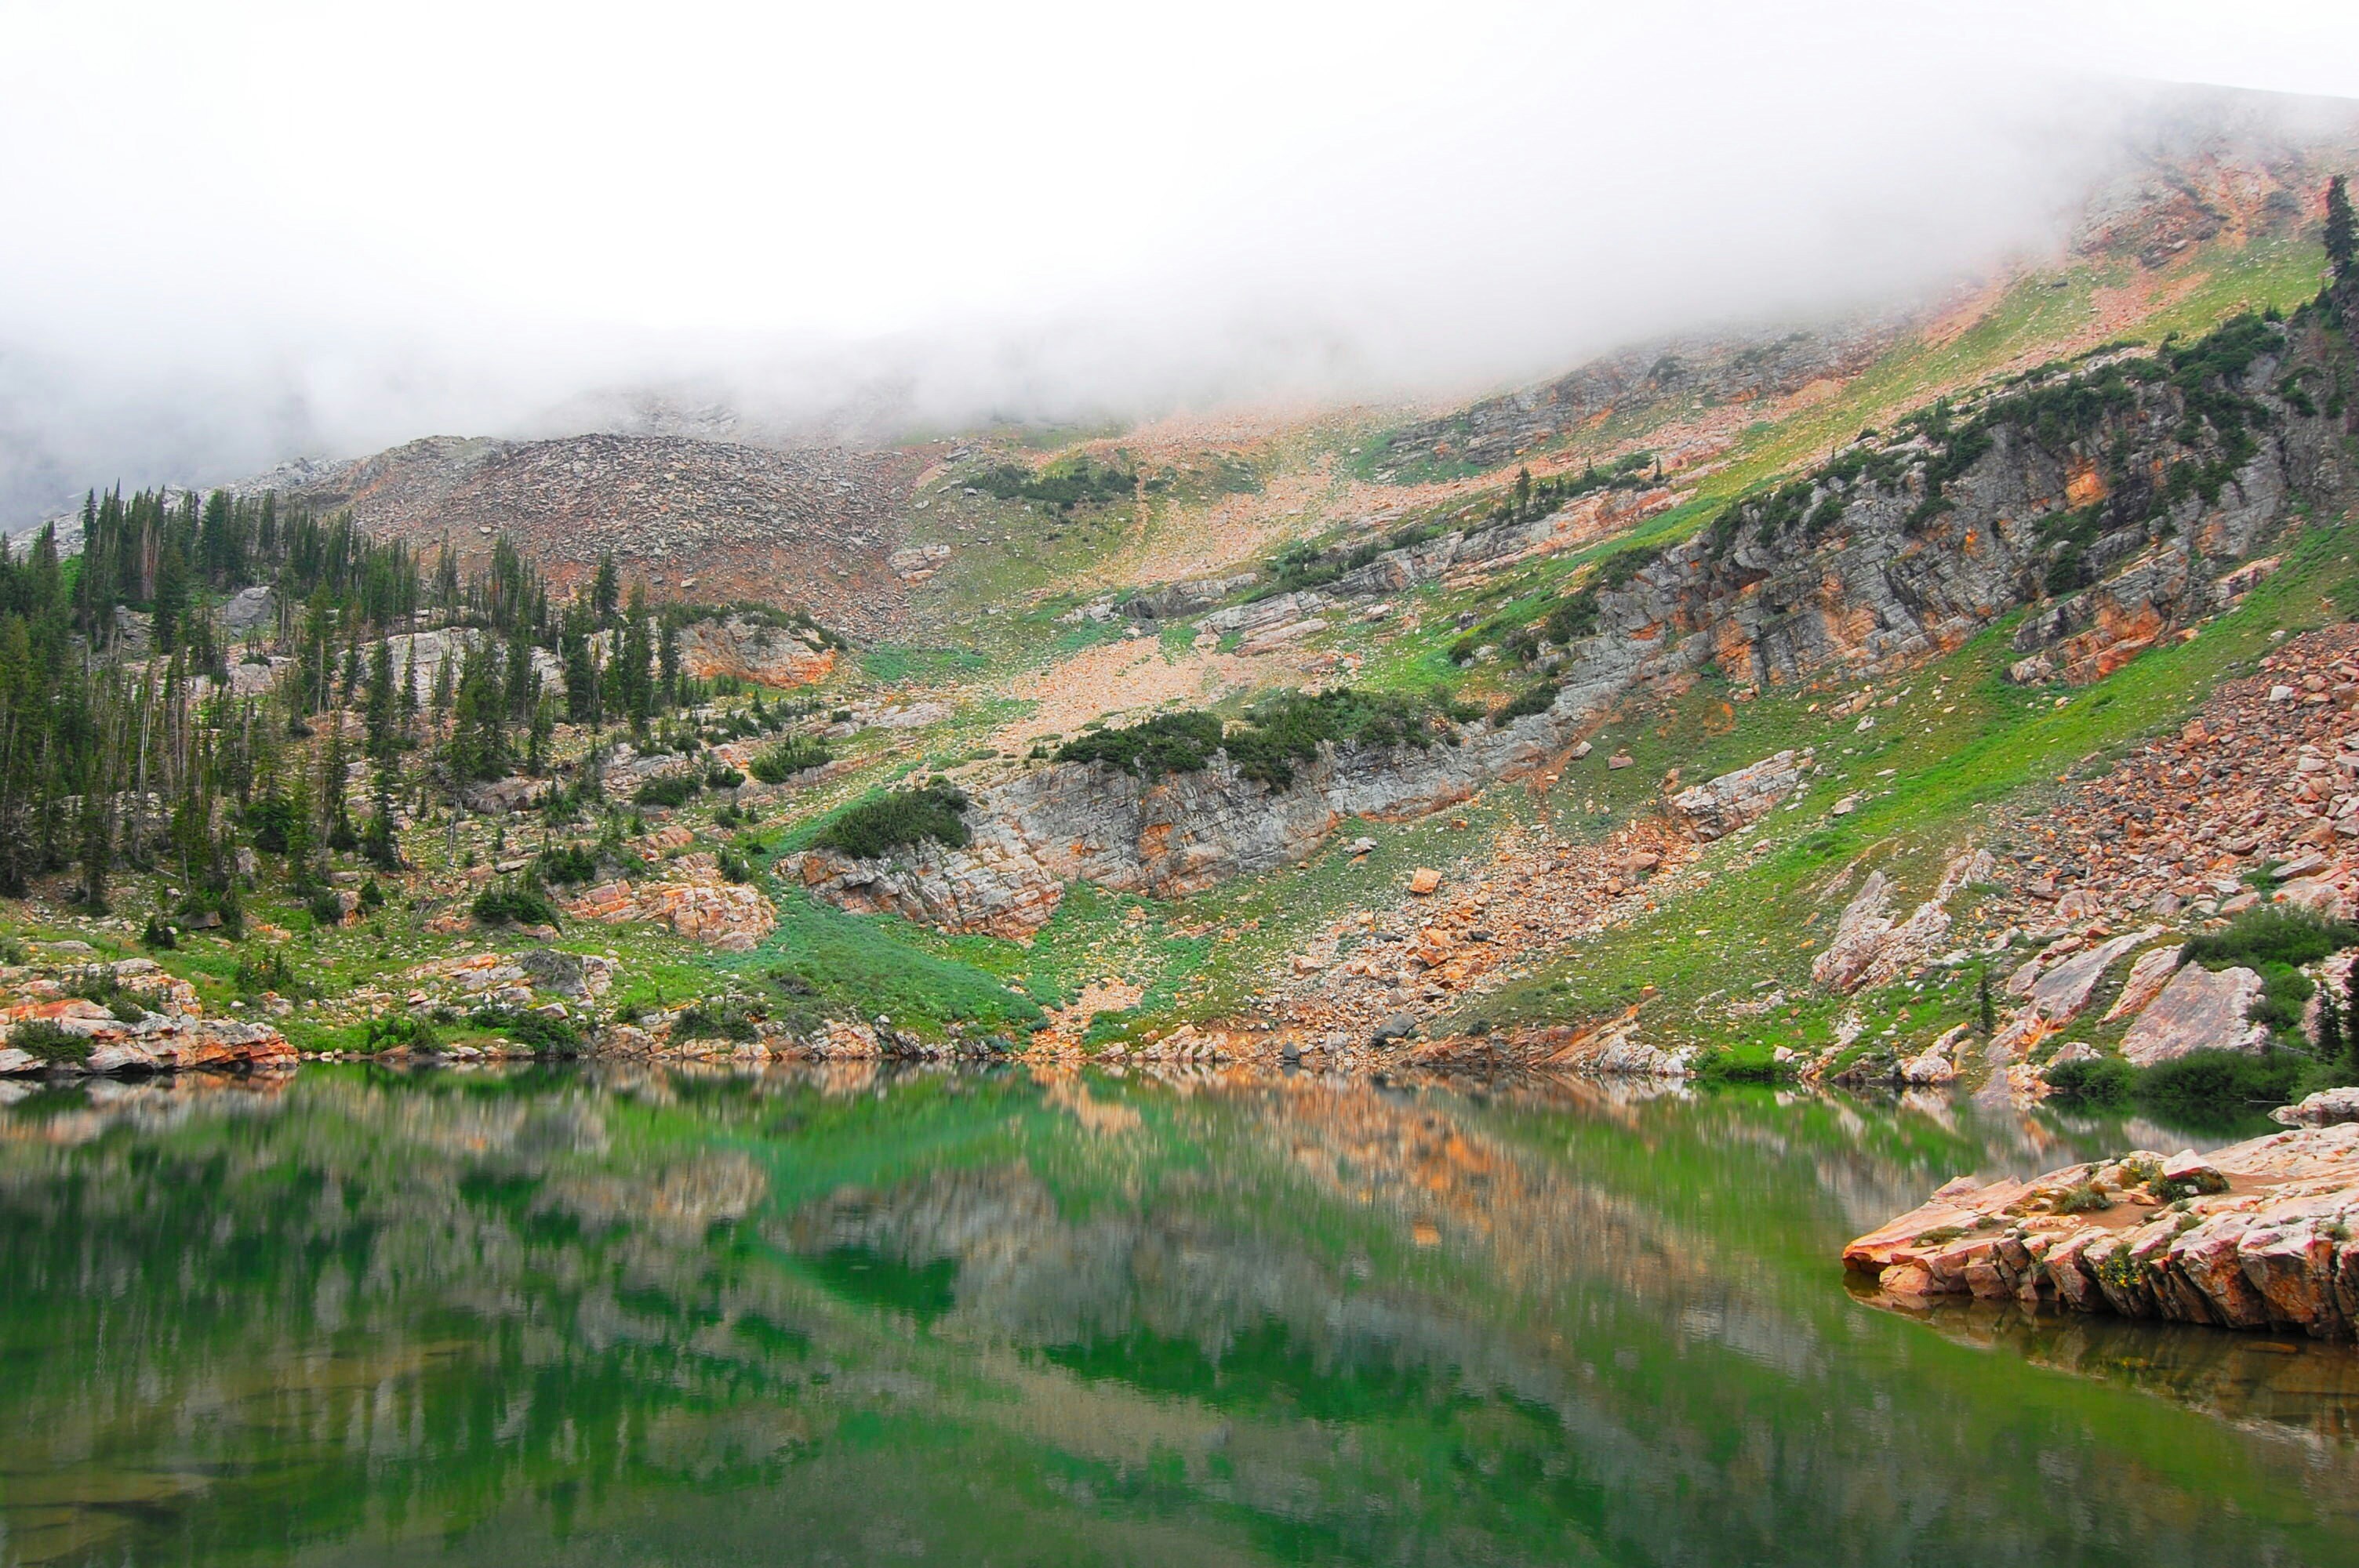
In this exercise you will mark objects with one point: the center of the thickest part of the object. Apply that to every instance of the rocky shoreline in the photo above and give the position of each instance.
(2255, 1236)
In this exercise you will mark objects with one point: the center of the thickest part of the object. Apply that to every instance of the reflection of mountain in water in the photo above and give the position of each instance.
(1294, 1320)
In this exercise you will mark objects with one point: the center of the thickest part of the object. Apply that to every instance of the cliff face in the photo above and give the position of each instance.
(1172, 835)
(2118, 508)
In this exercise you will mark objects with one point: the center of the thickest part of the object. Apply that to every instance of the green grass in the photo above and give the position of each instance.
(1769, 903)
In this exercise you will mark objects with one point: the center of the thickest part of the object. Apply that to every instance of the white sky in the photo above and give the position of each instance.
(231, 228)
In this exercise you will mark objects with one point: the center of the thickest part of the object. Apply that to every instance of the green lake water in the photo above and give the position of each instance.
(589, 1317)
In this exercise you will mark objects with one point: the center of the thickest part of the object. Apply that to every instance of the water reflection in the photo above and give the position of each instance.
(854, 1315)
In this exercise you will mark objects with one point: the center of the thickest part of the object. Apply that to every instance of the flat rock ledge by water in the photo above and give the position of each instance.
(2262, 1235)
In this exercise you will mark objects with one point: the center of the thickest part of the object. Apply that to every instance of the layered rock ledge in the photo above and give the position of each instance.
(2257, 1236)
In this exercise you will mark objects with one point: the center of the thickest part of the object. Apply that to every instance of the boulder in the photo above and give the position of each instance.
(1719, 806)
(2327, 1108)
(1424, 880)
(2199, 1010)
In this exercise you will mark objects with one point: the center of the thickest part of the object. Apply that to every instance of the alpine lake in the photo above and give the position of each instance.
(843, 1315)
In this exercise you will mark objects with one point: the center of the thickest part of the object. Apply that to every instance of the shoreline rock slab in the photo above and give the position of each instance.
(2259, 1236)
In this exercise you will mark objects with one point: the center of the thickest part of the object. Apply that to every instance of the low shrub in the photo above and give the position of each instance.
(795, 754)
(397, 1029)
(544, 1032)
(158, 935)
(45, 1039)
(566, 865)
(1167, 744)
(2083, 1197)
(722, 1021)
(1538, 699)
(520, 904)
(2272, 934)
(673, 790)
(2104, 1080)
(1752, 1063)
(2218, 1086)
(897, 817)
(724, 778)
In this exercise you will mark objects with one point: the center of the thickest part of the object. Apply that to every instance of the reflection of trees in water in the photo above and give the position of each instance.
(1367, 1319)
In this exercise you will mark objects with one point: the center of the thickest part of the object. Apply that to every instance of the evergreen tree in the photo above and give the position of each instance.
(605, 592)
(379, 717)
(518, 685)
(2329, 1025)
(633, 686)
(668, 662)
(1985, 1013)
(171, 598)
(409, 689)
(2342, 233)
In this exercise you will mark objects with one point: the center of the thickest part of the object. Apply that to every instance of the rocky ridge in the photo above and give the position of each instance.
(1170, 836)
(707, 520)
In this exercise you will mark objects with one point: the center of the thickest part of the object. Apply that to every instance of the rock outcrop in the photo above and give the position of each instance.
(1174, 835)
(755, 650)
(2199, 1010)
(692, 897)
(1871, 949)
(165, 1031)
(2257, 1236)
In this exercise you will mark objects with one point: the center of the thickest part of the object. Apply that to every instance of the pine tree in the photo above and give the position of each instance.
(606, 591)
(2342, 232)
(441, 705)
(518, 684)
(409, 689)
(2330, 1026)
(1986, 1014)
(380, 713)
(171, 598)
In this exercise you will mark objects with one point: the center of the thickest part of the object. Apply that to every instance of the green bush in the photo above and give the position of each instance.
(2106, 1080)
(2218, 1086)
(1167, 744)
(724, 778)
(551, 1035)
(795, 754)
(1750, 1063)
(399, 1030)
(521, 905)
(723, 1020)
(673, 789)
(1538, 699)
(45, 1039)
(271, 973)
(158, 935)
(1287, 730)
(566, 865)
(889, 821)
(2083, 1197)
(2272, 934)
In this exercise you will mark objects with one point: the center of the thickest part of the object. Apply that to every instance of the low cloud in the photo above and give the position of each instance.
(273, 231)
